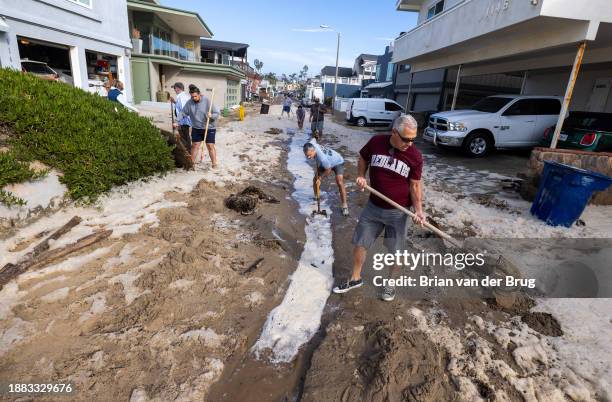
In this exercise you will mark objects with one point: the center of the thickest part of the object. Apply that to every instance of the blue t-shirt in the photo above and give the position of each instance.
(327, 158)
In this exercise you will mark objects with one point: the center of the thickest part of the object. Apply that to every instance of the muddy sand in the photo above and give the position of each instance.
(171, 311)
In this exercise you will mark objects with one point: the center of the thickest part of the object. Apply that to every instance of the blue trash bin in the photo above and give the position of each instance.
(564, 192)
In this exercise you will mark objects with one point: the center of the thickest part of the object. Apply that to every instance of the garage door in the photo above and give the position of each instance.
(425, 102)
(401, 99)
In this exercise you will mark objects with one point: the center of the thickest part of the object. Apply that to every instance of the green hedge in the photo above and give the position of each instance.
(97, 144)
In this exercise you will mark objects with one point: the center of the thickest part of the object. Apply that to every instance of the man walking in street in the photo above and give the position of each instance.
(287, 107)
(395, 170)
(328, 160)
(317, 116)
(115, 94)
(184, 124)
(197, 111)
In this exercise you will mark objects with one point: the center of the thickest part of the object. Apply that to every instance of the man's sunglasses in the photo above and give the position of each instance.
(404, 139)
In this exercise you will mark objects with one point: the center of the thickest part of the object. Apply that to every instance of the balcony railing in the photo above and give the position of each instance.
(158, 46)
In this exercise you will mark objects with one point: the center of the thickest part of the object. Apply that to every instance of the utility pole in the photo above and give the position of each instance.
(336, 80)
(337, 57)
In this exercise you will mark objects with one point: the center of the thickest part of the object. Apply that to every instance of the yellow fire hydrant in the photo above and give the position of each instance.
(241, 112)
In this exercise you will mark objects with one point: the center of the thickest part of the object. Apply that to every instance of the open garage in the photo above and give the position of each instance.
(56, 56)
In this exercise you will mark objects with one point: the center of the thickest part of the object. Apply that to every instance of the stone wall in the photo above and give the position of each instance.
(600, 162)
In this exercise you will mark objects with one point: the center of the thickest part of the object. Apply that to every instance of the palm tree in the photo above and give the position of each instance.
(258, 65)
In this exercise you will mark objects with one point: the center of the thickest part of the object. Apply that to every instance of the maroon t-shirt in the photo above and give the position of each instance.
(391, 170)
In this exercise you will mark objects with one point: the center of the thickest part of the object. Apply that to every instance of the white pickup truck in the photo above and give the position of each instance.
(501, 121)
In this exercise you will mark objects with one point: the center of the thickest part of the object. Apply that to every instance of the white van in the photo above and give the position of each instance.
(364, 111)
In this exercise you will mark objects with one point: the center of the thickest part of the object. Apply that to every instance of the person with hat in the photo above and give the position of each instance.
(184, 124)
(317, 117)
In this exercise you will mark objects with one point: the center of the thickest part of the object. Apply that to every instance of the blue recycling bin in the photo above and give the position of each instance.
(564, 192)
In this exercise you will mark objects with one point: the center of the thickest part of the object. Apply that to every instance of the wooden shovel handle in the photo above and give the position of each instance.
(413, 215)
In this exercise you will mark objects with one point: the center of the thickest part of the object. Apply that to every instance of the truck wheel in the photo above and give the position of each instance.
(477, 144)
(361, 122)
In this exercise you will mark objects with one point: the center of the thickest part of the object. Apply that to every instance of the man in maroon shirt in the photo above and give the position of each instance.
(395, 170)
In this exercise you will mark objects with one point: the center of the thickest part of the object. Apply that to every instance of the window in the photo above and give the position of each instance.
(524, 107)
(389, 72)
(547, 106)
(435, 9)
(404, 68)
(378, 72)
(392, 107)
(491, 105)
(84, 3)
(345, 80)
(233, 93)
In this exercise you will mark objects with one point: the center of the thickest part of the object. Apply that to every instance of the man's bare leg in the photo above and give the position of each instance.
(342, 189)
(194, 150)
(359, 256)
(212, 151)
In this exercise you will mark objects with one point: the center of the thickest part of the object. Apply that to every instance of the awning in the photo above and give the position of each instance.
(379, 85)
(182, 21)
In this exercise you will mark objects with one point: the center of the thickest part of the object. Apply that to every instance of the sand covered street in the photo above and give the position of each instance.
(177, 304)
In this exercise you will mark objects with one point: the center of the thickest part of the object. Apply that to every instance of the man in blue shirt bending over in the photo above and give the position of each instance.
(328, 160)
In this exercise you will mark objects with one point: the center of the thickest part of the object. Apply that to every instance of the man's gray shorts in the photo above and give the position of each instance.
(374, 220)
(338, 169)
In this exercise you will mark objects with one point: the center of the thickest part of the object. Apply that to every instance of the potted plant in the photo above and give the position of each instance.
(136, 41)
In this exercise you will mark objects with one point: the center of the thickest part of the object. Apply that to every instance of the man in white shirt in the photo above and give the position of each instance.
(116, 95)
(184, 124)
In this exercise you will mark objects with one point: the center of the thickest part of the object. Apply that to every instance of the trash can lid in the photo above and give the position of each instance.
(579, 170)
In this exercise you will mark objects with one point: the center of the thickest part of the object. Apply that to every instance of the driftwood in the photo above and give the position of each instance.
(28, 260)
(253, 265)
(10, 271)
(182, 158)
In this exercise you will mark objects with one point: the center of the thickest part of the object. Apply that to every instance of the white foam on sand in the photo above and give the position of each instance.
(586, 343)
(205, 335)
(37, 194)
(130, 290)
(68, 265)
(292, 323)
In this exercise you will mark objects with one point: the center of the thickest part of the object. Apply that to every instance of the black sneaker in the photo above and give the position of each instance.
(349, 285)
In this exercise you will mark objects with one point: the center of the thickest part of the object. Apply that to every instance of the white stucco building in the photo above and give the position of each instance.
(540, 40)
(84, 40)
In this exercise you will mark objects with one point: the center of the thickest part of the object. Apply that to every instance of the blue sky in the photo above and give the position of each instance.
(271, 27)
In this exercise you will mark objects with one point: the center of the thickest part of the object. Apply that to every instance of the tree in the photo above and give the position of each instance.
(258, 65)
(304, 72)
(271, 77)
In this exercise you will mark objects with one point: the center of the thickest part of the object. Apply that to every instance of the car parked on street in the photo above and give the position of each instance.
(39, 69)
(586, 131)
(500, 121)
(364, 111)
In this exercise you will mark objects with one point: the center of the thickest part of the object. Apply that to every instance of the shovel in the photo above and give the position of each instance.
(498, 262)
(318, 211)
(444, 236)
